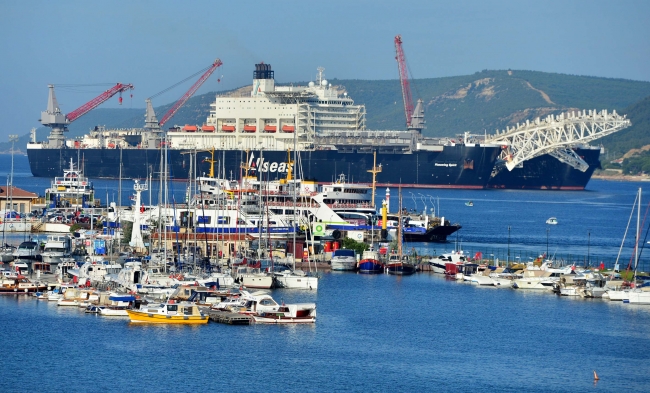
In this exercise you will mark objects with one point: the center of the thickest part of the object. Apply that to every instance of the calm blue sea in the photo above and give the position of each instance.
(373, 333)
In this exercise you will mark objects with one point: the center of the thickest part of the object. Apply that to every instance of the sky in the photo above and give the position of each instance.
(84, 47)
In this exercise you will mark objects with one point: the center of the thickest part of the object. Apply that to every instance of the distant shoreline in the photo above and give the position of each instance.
(635, 178)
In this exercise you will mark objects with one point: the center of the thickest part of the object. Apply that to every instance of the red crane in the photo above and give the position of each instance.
(95, 102)
(172, 111)
(403, 77)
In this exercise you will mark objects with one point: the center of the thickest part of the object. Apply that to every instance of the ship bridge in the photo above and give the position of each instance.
(556, 135)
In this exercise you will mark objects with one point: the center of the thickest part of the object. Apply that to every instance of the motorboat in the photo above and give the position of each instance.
(290, 313)
(552, 221)
(56, 248)
(119, 304)
(344, 260)
(7, 253)
(438, 264)
(169, 312)
(469, 203)
(28, 250)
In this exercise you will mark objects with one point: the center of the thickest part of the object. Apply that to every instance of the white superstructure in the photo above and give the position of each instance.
(270, 116)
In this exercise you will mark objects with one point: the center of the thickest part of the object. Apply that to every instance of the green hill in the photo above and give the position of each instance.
(478, 103)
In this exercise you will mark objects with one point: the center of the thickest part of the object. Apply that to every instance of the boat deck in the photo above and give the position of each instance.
(230, 318)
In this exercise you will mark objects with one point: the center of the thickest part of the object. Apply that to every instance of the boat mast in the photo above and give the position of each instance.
(375, 170)
(636, 246)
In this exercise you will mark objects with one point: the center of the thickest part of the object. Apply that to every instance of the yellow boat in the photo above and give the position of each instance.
(175, 313)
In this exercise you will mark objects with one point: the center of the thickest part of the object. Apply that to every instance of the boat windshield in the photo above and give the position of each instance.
(343, 253)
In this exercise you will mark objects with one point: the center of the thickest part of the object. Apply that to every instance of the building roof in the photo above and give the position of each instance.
(16, 193)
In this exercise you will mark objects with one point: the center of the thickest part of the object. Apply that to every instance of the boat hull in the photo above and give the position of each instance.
(454, 166)
(143, 317)
(548, 173)
(400, 269)
(370, 267)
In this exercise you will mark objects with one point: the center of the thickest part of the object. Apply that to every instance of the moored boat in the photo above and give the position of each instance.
(168, 313)
(369, 263)
(344, 260)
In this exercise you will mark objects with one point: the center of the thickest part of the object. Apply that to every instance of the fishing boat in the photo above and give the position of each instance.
(369, 263)
(552, 221)
(169, 312)
(400, 267)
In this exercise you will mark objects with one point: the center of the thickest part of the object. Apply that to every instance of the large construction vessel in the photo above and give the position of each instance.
(328, 131)
(320, 121)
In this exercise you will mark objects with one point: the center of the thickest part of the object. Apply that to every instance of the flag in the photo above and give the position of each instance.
(478, 255)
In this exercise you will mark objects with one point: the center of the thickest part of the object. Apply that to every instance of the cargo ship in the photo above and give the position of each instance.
(319, 121)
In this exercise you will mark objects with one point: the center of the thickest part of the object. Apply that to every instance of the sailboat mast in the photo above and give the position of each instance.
(636, 246)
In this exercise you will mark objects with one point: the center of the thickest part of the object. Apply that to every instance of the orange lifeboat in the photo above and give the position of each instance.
(249, 128)
(228, 128)
(189, 128)
(207, 128)
(288, 128)
(269, 128)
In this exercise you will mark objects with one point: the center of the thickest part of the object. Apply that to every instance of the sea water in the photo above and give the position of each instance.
(372, 333)
(375, 333)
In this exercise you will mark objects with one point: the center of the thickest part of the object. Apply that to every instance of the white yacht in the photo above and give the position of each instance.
(344, 260)
(56, 248)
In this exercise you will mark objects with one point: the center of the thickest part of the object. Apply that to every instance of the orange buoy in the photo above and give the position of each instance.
(596, 376)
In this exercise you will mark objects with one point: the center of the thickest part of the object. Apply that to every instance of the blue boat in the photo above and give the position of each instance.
(370, 263)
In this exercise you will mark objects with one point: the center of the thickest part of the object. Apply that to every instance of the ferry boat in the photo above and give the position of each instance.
(72, 190)
(321, 120)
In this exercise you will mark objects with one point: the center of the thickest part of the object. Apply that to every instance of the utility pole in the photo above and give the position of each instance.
(13, 138)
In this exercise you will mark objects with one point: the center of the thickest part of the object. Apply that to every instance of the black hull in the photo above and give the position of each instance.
(404, 269)
(457, 166)
(438, 234)
(547, 173)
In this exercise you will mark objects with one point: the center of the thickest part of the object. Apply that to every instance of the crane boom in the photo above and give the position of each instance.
(95, 102)
(404, 80)
(172, 111)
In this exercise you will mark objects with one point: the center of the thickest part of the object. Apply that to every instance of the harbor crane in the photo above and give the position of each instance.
(58, 122)
(414, 116)
(555, 135)
(151, 121)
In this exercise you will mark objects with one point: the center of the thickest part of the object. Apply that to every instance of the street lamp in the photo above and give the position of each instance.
(508, 258)
(588, 247)
(547, 231)
(12, 138)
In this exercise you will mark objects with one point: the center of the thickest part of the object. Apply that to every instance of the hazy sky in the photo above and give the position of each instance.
(154, 44)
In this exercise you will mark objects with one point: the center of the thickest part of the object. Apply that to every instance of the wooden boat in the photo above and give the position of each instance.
(19, 285)
(169, 313)
(399, 267)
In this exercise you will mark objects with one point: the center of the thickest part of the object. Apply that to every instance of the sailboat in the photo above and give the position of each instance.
(621, 293)
(397, 263)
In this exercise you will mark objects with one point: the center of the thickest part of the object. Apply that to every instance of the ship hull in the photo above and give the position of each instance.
(548, 173)
(457, 166)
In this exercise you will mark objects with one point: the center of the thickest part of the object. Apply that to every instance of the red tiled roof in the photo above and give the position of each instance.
(16, 193)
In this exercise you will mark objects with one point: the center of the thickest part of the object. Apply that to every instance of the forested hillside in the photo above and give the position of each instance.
(478, 103)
